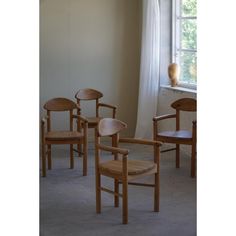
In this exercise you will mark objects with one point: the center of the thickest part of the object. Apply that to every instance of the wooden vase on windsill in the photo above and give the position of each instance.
(173, 73)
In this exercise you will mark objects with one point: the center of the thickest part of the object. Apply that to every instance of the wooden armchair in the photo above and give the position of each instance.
(70, 136)
(92, 94)
(89, 94)
(121, 169)
(179, 136)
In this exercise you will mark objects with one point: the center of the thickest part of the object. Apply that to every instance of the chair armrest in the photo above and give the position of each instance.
(80, 118)
(113, 149)
(163, 117)
(140, 141)
(107, 105)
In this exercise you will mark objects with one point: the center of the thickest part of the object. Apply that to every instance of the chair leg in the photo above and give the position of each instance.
(113, 142)
(71, 157)
(116, 188)
(98, 192)
(85, 157)
(43, 161)
(177, 156)
(79, 149)
(49, 156)
(95, 137)
(125, 201)
(157, 193)
(193, 161)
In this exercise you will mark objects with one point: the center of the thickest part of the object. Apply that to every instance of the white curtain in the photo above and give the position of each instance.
(149, 69)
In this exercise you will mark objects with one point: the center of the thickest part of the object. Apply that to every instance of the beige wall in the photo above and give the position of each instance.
(91, 43)
(96, 43)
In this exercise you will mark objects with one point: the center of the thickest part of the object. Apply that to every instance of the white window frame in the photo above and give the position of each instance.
(176, 50)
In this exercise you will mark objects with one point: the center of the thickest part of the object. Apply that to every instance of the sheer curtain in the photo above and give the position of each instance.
(149, 69)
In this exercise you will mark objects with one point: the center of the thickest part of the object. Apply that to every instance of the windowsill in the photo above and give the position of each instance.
(179, 89)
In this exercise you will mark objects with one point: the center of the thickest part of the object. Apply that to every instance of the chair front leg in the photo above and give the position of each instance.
(116, 190)
(49, 156)
(43, 160)
(194, 150)
(79, 149)
(125, 201)
(98, 192)
(157, 178)
(79, 146)
(193, 161)
(43, 148)
(97, 174)
(157, 192)
(71, 157)
(85, 157)
(125, 190)
(85, 148)
(177, 162)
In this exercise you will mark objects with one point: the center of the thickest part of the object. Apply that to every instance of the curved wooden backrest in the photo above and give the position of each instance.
(185, 104)
(60, 104)
(109, 126)
(88, 94)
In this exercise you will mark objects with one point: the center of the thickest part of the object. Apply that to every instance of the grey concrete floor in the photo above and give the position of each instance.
(67, 200)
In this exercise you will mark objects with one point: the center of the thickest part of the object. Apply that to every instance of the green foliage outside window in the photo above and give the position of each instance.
(188, 59)
(188, 67)
(189, 7)
(189, 34)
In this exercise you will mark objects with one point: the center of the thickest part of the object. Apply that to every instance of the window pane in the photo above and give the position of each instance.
(189, 34)
(188, 64)
(189, 7)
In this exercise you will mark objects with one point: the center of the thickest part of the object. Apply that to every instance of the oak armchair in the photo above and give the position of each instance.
(70, 136)
(121, 169)
(89, 94)
(179, 136)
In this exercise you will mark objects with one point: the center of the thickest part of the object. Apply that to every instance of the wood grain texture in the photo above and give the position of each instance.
(60, 104)
(185, 104)
(88, 94)
(135, 167)
(63, 135)
(109, 126)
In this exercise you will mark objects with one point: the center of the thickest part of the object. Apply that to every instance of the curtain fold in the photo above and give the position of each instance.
(149, 69)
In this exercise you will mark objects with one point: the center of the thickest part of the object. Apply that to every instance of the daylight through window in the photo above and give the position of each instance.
(185, 40)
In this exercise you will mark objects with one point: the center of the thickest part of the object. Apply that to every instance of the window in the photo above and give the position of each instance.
(184, 40)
